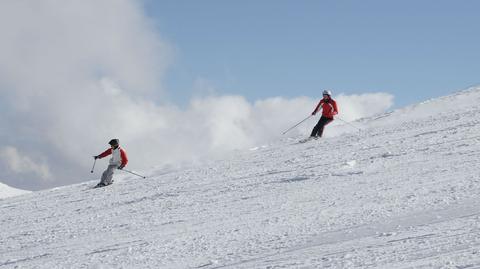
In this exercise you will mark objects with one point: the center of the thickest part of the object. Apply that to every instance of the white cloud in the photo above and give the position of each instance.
(218, 124)
(357, 106)
(23, 164)
(75, 74)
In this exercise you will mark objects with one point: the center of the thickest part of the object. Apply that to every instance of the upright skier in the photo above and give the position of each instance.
(118, 161)
(329, 109)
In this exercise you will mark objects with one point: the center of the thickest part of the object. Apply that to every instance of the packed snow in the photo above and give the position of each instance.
(401, 191)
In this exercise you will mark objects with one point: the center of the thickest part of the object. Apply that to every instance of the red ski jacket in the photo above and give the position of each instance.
(329, 108)
(119, 156)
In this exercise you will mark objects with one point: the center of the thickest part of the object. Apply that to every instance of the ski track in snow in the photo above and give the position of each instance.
(402, 193)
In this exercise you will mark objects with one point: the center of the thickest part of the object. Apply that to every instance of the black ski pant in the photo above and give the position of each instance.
(318, 129)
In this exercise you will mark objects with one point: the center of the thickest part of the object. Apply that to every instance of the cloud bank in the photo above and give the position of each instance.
(74, 74)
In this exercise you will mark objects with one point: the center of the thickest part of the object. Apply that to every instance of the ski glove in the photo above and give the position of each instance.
(96, 157)
(120, 167)
(313, 113)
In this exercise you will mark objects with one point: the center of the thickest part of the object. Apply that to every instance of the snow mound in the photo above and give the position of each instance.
(7, 191)
(455, 104)
(400, 193)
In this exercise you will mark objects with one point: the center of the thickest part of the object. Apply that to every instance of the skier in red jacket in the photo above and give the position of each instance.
(329, 109)
(118, 161)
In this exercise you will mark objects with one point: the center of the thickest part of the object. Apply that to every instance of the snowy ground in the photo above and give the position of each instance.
(401, 193)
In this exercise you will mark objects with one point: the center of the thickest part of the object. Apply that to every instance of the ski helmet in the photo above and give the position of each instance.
(114, 142)
(327, 92)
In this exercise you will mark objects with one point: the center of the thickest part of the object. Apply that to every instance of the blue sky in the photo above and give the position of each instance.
(414, 50)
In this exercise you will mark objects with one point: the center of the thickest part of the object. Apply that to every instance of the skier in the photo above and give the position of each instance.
(329, 109)
(118, 161)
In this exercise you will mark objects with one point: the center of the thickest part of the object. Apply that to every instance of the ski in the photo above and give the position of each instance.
(307, 139)
(101, 185)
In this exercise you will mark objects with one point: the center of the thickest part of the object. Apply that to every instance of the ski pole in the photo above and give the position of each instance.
(93, 167)
(296, 124)
(349, 124)
(132, 173)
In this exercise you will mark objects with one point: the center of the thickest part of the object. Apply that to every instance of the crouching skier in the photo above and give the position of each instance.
(118, 161)
(329, 109)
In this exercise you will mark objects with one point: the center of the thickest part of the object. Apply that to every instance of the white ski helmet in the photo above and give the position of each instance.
(327, 92)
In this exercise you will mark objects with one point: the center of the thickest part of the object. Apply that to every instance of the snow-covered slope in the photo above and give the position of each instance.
(400, 193)
(7, 191)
